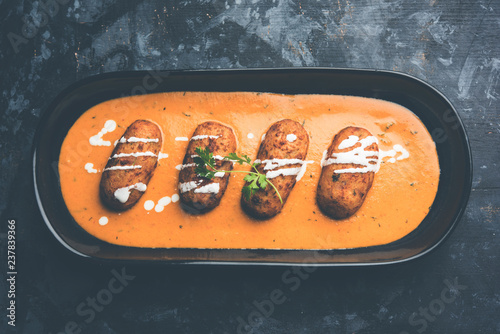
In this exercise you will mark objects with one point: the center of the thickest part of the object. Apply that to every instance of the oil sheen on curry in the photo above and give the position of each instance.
(352, 172)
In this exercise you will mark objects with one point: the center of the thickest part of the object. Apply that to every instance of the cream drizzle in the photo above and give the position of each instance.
(216, 157)
(303, 169)
(181, 167)
(109, 126)
(103, 220)
(162, 156)
(162, 203)
(392, 153)
(138, 140)
(212, 188)
(291, 137)
(136, 154)
(89, 167)
(199, 137)
(358, 156)
(284, 171)
(149, 205)
(123, 167)
(323, 158)
(349, 142)
(181, 139)
(404, 153)
(122, 194)
(271, 164)
(369, 160)
(188, 186)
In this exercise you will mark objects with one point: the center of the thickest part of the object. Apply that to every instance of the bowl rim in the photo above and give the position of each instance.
(465, 145)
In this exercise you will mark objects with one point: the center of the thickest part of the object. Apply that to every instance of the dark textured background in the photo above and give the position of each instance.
(453, 45)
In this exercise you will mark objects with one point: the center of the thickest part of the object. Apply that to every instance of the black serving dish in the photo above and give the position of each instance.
(434, 110)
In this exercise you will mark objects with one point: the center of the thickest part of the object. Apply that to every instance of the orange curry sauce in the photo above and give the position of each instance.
(398, 201)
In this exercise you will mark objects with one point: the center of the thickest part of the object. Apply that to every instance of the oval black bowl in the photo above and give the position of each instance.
(435, 111)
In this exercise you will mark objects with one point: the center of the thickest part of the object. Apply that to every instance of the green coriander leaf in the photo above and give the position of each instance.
(204, 172)
(205, 154)
(254, 184)
(199, 161)
(206, 167)
(205, 157)
(209, 157)
(250, 177)
(199, 151)
(262, 181)
(247, 159)
(234, 157)
(247, 192)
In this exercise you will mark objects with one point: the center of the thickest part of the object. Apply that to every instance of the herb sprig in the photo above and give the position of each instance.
(205, 167)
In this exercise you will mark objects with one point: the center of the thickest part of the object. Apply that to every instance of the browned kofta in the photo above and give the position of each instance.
(343, 184)
(199, 194)
(281, 156)
(131, 165)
